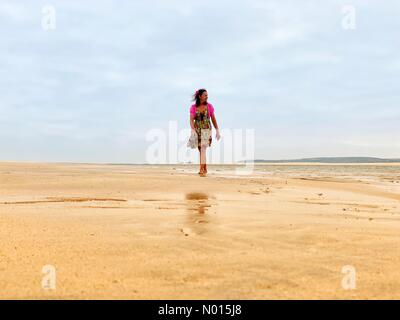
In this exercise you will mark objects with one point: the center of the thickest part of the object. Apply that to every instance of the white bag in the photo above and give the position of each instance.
(193, 140)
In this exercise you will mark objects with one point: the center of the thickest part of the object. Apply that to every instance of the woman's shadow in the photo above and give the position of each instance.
(198, 219)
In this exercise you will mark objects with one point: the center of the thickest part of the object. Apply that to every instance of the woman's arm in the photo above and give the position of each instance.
(214, 121)
(192, 122)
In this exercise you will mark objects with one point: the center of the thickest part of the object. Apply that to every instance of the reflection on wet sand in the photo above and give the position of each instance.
(198, 217)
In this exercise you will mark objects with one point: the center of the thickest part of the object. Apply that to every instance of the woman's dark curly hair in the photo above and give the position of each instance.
(197, 94)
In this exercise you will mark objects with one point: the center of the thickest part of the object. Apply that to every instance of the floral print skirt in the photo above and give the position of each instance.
(204, 137)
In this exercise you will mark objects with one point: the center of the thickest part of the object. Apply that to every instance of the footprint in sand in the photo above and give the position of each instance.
(187, 232)
(201, 221)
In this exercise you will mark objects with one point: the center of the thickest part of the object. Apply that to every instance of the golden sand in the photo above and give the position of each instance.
(162, 232)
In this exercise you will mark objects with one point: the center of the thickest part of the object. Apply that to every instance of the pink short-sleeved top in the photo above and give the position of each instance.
(209, 107)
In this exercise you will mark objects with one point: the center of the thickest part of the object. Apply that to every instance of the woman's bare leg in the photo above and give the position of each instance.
(203, 154)
(202, 159)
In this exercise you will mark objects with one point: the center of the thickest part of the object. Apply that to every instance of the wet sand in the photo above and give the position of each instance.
(162, 232)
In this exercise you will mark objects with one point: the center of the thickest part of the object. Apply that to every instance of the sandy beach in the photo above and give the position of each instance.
(162, 232)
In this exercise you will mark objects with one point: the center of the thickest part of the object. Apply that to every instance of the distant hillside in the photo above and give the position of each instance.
(330, 160)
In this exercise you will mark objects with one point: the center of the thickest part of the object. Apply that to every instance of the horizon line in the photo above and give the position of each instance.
(242, 162)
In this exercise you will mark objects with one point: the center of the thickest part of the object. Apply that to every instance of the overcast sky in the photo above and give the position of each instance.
(90, 89)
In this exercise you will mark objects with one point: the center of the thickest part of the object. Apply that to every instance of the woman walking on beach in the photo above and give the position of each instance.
(200, 114)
